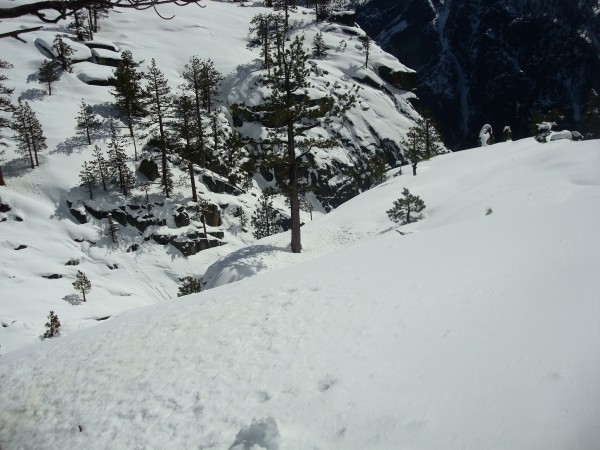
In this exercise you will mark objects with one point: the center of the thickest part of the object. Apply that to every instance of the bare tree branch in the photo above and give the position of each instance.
(60, 10)
(15, 34)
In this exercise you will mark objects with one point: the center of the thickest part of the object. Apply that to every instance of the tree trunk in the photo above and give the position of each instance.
(30, 152)
(193, 181)
(294, 200)
(165, 172)
(90, 189)
(135, 158)
(2, 183)
(49, 88)
(87, 130)
(414, 167)
(83, 292)
(408, 214)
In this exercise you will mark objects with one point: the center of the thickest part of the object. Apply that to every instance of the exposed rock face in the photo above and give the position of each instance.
(149, 169)
(496, 62)
(220, 186)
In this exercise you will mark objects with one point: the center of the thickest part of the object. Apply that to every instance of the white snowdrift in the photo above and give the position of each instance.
(472, 331)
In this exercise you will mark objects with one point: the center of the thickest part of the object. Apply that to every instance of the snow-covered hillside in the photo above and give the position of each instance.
(466, 331)
(40, 236)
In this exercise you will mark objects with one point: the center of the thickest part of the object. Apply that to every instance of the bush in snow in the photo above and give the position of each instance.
(486, 135)
(265, 219)
(189, 285)
(507, 132)
(52, 326)
(319, 49)
(404, 208)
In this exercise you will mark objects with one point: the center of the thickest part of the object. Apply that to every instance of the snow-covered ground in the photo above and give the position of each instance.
(48, 237)
(467, 331)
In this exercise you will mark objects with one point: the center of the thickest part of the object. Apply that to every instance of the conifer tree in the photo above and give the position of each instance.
(286, 6)
(291, 113)
(5, 107)
(210, 82)
(87, 120)
(63, 54)
(79, 24)
(128, 93)
(100, 166)
(29, 134)
(185, 127)
(88, 177)
(241, 215)
(193, 75)
(318, 47)
(159, 103)
(367, 50)
(189, 286)
(47, 74)
(82, 284)
(404, 208)
(113, 229)
(322, 8)
(265, 219)
(413, 152)
(117, 162)
(52, 326)
(264, 28)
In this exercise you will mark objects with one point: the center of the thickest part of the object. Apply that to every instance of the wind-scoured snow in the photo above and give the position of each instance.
(466, 331)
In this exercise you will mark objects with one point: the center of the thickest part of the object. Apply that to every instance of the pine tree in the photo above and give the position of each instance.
(52, 326)
(185, 126)
(241, 214)
(117, 162)
(159, 103)
(263, 31)
(210, 80)
(5, 107)
(189, 286)
(63, 54)
(286, 6)
(265, 219)
(413, 149)
(87, 120)
(318, 46)
(100, 166)
(405, 207)
(47, 74)
(113, 229)
(88, 177)
(322, 8)
(291, 114)
(128, 93)
(82, 284)
(193, 76)
(29, 134)
(367, 49)
(79, 24)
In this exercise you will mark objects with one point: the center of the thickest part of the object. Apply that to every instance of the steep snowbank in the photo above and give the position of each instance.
(472, 331)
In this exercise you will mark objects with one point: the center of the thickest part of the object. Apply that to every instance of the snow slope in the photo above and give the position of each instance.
(468, 331)
(152, 274)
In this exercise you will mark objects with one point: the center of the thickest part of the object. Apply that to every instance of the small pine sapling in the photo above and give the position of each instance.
(87, 121)
(63, 54)
(82, 284)
(52, 326)
(47, 74)
(405, 207)
(189, 285)
(88, 177)
(319, 49)
(265, 219)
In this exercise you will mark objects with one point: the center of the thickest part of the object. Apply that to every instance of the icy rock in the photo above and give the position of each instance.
(262, 434)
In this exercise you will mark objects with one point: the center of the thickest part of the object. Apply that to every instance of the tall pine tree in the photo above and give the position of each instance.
(47, 74)
(6, 106)
(29, 134)
(87, 121)
(159, 103)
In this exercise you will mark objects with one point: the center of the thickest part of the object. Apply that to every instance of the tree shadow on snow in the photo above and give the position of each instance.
(73, 299)
(33, 94)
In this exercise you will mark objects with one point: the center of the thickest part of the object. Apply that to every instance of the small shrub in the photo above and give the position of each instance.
(189, 285)
(404, 207)
(52, 326)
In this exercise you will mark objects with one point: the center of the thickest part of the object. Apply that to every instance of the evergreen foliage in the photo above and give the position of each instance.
(5, 107)
(47, 74)
(367, 50)
(265, 29)
(241, 214)
(63, 54)
(185, 128)
(189, 285)
(422, 141)
(52, 326)
(319, 49)
(210, 81)
(193, 75)
(404, 208)
(87, 121)
(286, 6)
(100, 166)
(265, 219)
(82, 284)
(117, 162)
(159, 104)
(29, 134)
(88, 177)
(129, 97)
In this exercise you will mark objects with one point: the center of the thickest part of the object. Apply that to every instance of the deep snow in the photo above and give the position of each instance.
(468, 331)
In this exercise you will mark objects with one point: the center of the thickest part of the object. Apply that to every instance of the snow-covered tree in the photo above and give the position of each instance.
(189, 285)
(117, 162)
(29, 134)
(47, 74)
(185, 127)
(406, 206)
(6, 106)
(193, 76)
(265, 219)
(82, 284)
(486, 135)
(87, 121)
(367, 49)
(100, 166)
(159, 103)
(265, 29)
(52, 326)
(63, 53)
(210, 81)
(507, 132)
(286, 6)
(128, 93)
